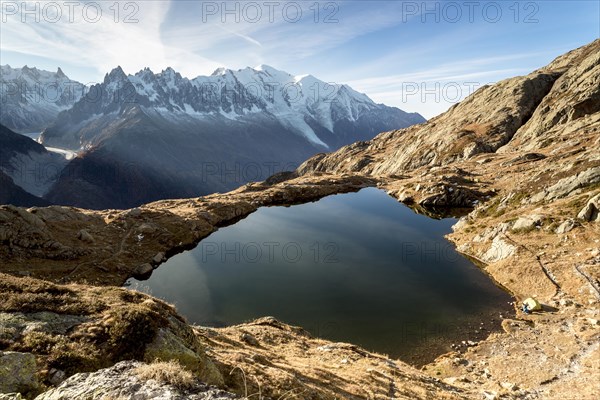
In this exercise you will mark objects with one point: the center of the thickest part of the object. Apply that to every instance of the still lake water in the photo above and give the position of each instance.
(358, 267)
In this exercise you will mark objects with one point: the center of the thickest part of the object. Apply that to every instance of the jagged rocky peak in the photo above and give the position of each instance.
(170, 72)
(27, 70)
(117, 74)
(32, 74)
(219, 71)
(169, 91)
(172, 79)
(146, 75)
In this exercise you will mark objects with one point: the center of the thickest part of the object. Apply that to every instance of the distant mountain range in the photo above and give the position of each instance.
(151, 136)
(32, 98)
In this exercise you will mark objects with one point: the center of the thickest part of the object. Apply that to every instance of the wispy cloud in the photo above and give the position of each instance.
(431, 91)
(175, 34)
(103, 42)
(278, 41)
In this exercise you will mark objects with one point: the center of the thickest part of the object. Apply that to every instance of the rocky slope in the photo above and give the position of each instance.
(555, 102)
(522, 154)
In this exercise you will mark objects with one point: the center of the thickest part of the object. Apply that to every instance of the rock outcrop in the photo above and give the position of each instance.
(18, 372)
(567, 186)
(121, 382)
(571, 106)
(591, 211)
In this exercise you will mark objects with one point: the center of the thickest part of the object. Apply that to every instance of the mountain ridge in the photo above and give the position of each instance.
(225, 94)
(158, 136)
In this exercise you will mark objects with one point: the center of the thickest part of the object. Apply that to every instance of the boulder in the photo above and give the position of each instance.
(166, 346)
(17, 372)
(527, 222)
(499, 250)
(143, 271)
(566, 226)
(591, 211)
(158, 258)
(85, 236)
(249, 339)
(146, 228)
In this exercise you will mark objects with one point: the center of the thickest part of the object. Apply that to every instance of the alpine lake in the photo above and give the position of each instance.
(359, 268)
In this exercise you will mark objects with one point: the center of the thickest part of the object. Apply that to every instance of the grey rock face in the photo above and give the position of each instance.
(567, 186)
(17, 372)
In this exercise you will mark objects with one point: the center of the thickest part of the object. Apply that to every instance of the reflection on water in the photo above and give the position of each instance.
(359, 268)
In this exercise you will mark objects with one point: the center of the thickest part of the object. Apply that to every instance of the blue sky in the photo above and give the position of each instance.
(416, 55)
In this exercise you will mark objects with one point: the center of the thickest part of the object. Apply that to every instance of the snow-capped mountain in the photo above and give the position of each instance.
(325, 115)
(31, 99)
(153, 136)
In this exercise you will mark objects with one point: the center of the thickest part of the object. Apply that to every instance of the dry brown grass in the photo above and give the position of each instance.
(167, 372)
(33, 295)
(120, 323)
